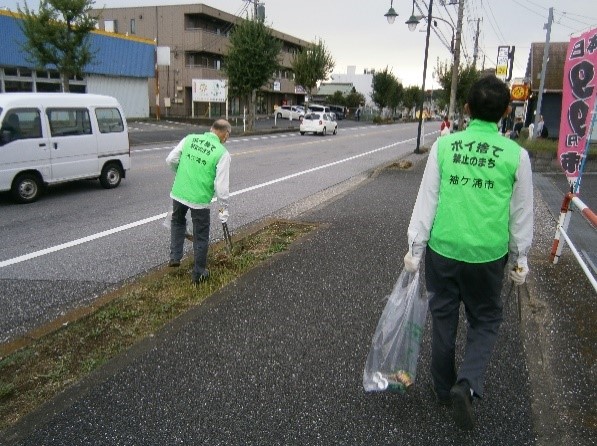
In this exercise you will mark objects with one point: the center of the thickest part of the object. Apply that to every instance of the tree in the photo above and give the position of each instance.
(467, 75)
(252, 60)
(312, 65)
(58, 34)
(412, 97)
(354, 99)
(336, 98)
(386, 89)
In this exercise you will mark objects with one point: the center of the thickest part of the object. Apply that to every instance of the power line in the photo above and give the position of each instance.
(499, 33)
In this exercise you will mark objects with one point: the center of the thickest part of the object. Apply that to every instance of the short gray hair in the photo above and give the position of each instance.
(221, 125)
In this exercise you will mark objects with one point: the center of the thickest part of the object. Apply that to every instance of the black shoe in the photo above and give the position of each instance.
(202, 278)
(462, 407)
(174, 263)
(442, 399)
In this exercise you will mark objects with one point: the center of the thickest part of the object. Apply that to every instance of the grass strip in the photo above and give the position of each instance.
(35, 373)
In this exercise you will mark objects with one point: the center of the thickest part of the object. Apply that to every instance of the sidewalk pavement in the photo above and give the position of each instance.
(276, 358)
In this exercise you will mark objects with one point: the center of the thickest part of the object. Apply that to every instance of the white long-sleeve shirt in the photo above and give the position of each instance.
(221, 183)
(521, 208)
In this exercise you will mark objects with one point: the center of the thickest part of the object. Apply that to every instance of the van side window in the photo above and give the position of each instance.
(69, 121)
(20, 123)
(109, 120)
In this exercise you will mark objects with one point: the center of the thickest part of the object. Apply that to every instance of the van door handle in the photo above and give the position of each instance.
(56, 145)
(42, 144)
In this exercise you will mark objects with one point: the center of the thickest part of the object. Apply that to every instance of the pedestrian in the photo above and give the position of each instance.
(515, 133)
(473, 214)
(358, 113)
(540, 126)
(444, 128)
(202, 166)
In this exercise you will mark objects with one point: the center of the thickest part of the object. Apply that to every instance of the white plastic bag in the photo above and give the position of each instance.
(392, 361)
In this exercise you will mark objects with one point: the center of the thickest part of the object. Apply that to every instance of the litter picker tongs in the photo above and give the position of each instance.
(227, 237)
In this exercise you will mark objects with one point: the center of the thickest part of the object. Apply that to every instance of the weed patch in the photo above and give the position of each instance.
(41, 369)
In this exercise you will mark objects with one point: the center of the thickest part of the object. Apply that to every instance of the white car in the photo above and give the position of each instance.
(318, 123)
(293, 112)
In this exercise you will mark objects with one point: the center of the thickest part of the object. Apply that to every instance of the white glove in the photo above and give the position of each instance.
(519, 272)
(411, 263)
(223, 214)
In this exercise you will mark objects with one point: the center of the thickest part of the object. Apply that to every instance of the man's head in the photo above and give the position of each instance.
(488, 99)
(222, 129)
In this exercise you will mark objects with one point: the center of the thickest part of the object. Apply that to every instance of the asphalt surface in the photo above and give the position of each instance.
(276, 358)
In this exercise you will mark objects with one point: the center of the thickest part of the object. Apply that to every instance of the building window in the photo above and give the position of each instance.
(133, 27)
(111, 26)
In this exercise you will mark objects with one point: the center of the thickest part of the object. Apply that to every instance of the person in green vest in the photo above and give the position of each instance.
(202, 166)
(473, 215)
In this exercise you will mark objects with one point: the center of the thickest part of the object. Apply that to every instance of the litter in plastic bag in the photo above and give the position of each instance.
(168, 224)
(392, 361)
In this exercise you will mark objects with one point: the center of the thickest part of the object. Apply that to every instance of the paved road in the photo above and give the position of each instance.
(276, 358)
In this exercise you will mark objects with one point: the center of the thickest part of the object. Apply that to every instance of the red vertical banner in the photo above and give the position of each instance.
(578, 103)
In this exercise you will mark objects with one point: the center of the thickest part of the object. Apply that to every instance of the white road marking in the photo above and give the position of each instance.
(108, 232)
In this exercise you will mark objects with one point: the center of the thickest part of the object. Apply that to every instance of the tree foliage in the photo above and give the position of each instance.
(467, 75)
(58, 34)
(387, 91)
(312, 65)
(253, 58)
(337, 98)
(354, 99)
(412, 97)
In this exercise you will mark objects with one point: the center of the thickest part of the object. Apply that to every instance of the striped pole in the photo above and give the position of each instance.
(564, 220)
(586, 212)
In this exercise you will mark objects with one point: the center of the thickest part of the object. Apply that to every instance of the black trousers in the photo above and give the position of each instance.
(178, 228)
(478, 286)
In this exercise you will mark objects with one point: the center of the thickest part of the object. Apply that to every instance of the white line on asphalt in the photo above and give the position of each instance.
(102, 234)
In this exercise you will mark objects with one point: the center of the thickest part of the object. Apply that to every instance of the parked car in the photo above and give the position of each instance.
(289, 111)
(318, 123)
(339, 111)
(319, 108)
(51, 138)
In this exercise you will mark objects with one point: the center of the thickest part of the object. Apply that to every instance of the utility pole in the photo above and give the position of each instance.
(454, 84)
(547, 27)
(476, 52)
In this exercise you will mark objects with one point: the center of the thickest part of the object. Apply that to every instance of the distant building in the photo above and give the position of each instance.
(197, 36)
(121, 68)
(361, 82)
(328, 89)
(551, 105)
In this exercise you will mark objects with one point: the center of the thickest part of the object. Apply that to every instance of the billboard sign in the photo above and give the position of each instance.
(501, 67)
(209, 90)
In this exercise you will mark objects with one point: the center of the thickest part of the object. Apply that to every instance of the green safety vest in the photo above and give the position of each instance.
(196, 172)
(477, 174)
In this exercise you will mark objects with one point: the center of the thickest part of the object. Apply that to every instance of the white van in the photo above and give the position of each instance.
(50, 138)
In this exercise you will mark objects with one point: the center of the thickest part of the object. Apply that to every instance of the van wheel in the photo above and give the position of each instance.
(26, 188)
(335, 130)
(302, 133)
(323, 132)
(279, 115)
(110, 176)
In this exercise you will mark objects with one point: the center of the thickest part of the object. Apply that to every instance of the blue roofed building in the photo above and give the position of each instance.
(122, 67)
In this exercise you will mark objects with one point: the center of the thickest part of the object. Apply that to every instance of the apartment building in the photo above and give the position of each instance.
(197, 38)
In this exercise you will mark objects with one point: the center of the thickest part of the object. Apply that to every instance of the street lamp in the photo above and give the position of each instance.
(392, 13)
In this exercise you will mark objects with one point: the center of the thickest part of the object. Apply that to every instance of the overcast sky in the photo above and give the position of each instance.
(357, 33)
